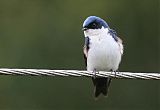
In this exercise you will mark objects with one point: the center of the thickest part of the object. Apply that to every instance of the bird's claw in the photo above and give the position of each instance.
(115, 72)
(94, 73)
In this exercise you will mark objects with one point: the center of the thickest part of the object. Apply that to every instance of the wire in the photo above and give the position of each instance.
(78, 73)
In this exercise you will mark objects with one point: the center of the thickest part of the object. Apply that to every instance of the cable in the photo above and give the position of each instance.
(78, 73)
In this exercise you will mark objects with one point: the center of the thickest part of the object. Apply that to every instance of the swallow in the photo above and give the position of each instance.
(103, 51)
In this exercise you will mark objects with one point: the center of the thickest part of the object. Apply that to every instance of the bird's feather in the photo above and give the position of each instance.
(101, 85)
(117, 39)
(85, 49)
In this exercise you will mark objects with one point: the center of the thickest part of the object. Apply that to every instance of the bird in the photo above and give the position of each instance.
(103, 50)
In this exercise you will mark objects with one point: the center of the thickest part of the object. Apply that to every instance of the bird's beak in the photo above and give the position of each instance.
(84, 29)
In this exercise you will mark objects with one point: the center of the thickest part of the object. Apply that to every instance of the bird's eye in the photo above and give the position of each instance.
(94, 24)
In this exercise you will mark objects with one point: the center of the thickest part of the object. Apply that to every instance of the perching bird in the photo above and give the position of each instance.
(102, 51)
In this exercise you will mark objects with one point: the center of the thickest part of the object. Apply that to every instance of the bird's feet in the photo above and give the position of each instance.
(94, 73)
(115, 72)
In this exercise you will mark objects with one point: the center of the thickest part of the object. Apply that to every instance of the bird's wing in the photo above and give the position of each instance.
(113, 34)
(85, 49)
(117, 39)
(120, 45)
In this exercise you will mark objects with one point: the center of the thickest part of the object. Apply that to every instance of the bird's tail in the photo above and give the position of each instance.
(101, 86)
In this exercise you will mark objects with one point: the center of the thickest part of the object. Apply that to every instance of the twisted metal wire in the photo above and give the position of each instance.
(78, 73)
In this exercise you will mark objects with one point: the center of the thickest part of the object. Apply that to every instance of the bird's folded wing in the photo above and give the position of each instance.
(120, 45)
(85, 49)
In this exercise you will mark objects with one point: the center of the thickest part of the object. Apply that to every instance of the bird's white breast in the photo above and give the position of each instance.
(104, 53)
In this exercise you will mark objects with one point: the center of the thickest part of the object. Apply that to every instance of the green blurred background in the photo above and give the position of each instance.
(47, 34)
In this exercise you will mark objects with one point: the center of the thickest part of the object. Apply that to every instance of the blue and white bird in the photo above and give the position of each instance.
(102, 51)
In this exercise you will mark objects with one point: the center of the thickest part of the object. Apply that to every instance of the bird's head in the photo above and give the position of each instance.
(94, 25)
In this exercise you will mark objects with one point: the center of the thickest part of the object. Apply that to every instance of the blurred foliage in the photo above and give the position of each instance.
(47, 34)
